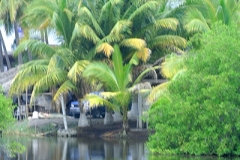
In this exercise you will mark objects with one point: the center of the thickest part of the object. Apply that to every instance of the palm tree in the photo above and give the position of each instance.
(116, 81)
(58, 70)
(200, 15)
(11, 12)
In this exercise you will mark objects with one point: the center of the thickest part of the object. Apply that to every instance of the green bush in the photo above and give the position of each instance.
(199, 114)
(6, 110)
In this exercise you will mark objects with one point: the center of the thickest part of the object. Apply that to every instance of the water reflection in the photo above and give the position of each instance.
(75, 149)
(84, 149)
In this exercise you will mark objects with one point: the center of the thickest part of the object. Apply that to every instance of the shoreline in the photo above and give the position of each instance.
(47, 127)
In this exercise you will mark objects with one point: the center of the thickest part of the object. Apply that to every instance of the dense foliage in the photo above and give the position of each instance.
(6, 110)
(199, 113)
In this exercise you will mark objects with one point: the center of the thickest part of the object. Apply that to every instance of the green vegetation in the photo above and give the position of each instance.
(6, 111)
(117, 84)
(199, 112)
(195, 112)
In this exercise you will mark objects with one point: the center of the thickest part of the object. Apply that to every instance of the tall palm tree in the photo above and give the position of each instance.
(117, 84)
(11, 12)
(58, 67)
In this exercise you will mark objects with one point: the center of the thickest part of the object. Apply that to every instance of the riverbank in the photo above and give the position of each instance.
(49, 126)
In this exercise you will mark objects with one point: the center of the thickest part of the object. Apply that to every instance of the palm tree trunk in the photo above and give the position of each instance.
(108, 119)
(64, 113)
(42, 35)
(1, 58)
(83, 121)
(5, 51)
(46, 36)
(20, 61)
(125, 122)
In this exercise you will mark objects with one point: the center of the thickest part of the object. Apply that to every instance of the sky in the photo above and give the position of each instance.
(8, 40)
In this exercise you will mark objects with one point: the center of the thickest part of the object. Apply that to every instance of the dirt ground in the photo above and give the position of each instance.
(96, 128)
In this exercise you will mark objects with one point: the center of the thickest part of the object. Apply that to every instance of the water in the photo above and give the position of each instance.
(44, 148)
(74, 149)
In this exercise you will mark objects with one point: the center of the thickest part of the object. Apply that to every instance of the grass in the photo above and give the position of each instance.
(22, 128)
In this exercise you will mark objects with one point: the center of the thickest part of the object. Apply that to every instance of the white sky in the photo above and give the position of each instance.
(8, 40)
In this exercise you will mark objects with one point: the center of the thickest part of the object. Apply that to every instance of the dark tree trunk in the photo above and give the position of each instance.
(46, 36)
(1, 58)
(5, 51)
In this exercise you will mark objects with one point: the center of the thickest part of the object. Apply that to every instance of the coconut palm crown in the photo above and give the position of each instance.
(117, 83)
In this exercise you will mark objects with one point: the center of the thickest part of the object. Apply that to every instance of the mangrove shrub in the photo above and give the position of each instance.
(199, 113)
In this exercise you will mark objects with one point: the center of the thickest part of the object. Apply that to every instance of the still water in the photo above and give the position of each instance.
(73, 149)
(83, 149)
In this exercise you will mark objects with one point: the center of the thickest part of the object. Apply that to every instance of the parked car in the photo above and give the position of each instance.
(97, 112)
(74, 109)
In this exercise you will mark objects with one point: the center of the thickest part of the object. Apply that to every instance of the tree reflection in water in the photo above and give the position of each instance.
(77, 149)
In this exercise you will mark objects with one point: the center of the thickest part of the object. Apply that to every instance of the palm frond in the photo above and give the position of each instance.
(195, 22)
(103, 73)
(45, 24)
(122, 26)
(86, 31)
(144, 54)
(106, 48)
(158, 91)
(110, 9)
(171, 66)
(27, 76)
(36, 47)
(84, 11)
(118, 32)
(118, 65)
(55, 78)
(135, 43)
(95, 101)
(77, 70)
(109, 95)
(69, 14)
(66, 87)
(146, 8)
(167, 40)
(167, 23)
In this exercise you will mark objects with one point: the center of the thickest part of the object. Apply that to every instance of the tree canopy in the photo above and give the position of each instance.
(199, 112)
